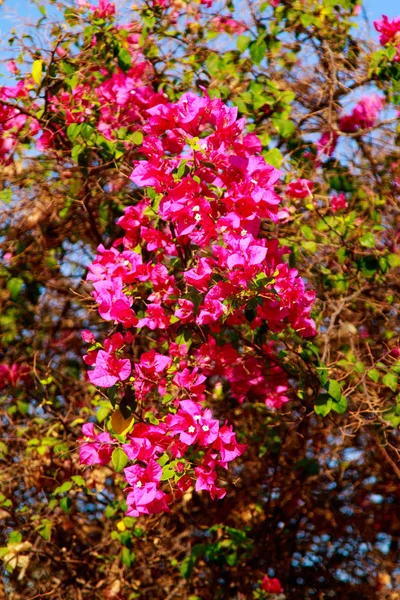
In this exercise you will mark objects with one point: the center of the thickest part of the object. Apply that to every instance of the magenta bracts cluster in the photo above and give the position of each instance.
(193, 275)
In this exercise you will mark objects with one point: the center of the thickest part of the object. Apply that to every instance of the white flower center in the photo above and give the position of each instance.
(196, 208)
(205, 428)
(139, 484)
(191, 429)
(243, 232)
(197, 417)
(197, 217)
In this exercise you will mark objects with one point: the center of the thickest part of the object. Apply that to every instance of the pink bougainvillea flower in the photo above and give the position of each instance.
(389, 33)
(12, 67)
(88, 336)
(152, 364)
(227, 25)
(301, 188)
(95, 449)
(363, 115)
(206, 478)
(104, 10)
(14, 375)
(338, 202)
(109, 369)
(327, 143)
(193, 424)
(144, 495)
(271, 585)
(227, 445)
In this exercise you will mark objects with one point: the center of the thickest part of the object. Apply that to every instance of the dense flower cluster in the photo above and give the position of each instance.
(192, 286)
(194, 275)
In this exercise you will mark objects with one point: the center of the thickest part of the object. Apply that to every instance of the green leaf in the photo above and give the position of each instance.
(112, 393)
(44, 529)
(65, 487)
(309, 246)
(214, 65)
(367, 240)
(119, 459)
(307, 19)
(164, 458)
(187, 566)
(341, 254)
(76, 152)
(393, 417)
(73, 130)
(307, 232)
(6, 195)
(258, 50)
(394, 260)
(102, 413)
(340, 406)
(15, 537)
(333, 389)
(391, 381)
(87, 131)
(37, 70)
(124, 59)
(78, 480)
(243, 42)
(181, 169)
(14, 285)
(374, 375)
(273, 157)
(285, 127)
(189, 562)
(23, 407)
(232, 559)
(167, 473)
(66, 504)
(323, 405)
(127, 557)
(72, 81)
(137, 138)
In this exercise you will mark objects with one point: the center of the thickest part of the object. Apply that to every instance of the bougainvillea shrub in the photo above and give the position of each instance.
(199, 311)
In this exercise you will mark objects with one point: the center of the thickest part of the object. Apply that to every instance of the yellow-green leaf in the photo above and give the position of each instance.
(119, 459)
(37, 70)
